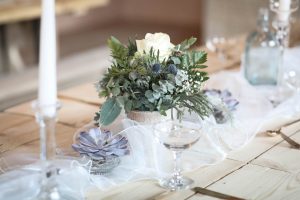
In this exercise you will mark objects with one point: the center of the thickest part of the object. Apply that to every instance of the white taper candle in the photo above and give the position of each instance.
(47, 92)
(284, 10)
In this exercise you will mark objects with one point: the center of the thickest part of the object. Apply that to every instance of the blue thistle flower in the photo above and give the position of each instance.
(156, 68)
(172, 69)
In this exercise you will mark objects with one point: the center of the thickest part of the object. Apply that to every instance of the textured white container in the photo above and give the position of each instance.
(147, 117)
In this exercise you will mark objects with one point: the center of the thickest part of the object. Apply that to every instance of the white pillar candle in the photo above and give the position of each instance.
(284, 10)
(47, 92)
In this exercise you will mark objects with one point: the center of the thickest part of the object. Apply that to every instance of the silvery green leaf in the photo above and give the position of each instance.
(137, 103)
(155, 87)
(185, 60)
(156, 95)
(126, 84)
(110, 110)
(152, 100)
(168, 97)
(115, 90)
(110, 82)
(170, 87)
(178, 80)
(148, 94)
(139, 83)
(175, 60)
(121, 100)
(133, 76)
(171, 77)
(128, 106)
(159, 103)
(163, 86)
(199, 57)
(186, 44)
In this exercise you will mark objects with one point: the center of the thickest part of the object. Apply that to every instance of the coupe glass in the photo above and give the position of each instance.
(177, 136)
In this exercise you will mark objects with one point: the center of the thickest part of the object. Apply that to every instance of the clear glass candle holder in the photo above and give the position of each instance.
(282, 26)
(46, 117)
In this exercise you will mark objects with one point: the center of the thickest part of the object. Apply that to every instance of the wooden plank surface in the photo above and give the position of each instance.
(9, 120)
(282, 157)
(258, 182)
(20, 10)
(150, 189)
(22, 145)
(84, 93)
(72, 113)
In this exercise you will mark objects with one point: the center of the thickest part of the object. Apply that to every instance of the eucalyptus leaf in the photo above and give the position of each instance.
(149, 94)
(121, 100)
(155, 87)
(132, 76)
(156, 95)
(170, 87)
(115, 90)
(110, 110)
(175, 60)
(128, 106)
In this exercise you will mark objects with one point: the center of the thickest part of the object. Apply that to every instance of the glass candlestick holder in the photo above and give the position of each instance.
(283, 10)
(46, 117)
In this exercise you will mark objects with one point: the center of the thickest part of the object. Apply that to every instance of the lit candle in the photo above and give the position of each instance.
(47, 92)
(284, 10)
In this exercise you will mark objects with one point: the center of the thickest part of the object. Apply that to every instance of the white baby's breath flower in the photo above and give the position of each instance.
(157, 41)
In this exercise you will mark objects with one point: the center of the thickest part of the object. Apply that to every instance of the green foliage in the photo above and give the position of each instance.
(110, 110)
(186, 44)
(131, 82)
(118, 51)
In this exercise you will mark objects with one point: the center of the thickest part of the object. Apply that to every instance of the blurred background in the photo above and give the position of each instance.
(83, 27)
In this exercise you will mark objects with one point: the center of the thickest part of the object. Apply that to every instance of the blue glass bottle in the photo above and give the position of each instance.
(262, 53)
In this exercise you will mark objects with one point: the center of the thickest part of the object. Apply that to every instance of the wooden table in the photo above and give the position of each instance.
(267, 168)
(20, 10)
(19, 28)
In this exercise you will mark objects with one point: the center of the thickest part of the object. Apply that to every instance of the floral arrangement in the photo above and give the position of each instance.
(223, 104)
(153, 75)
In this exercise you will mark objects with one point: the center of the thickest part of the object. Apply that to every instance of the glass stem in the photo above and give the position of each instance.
(282, 36)
(177, 168)
(49, 188)
(47, 137)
